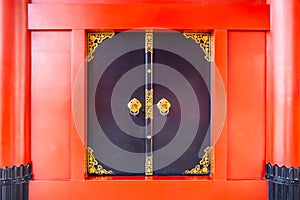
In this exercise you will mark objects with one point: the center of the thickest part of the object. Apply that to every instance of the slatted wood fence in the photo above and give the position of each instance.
(284, 183)
(14, 182)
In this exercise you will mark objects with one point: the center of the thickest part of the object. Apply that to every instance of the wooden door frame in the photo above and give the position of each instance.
(80, 18)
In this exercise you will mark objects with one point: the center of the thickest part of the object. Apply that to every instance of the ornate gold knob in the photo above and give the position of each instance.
(134, 106)
(164, 106)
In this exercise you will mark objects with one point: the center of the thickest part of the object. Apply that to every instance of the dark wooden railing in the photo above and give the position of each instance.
(284, 183)
(14, 182)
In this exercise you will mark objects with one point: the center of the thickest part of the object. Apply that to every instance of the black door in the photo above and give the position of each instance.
(148, 103)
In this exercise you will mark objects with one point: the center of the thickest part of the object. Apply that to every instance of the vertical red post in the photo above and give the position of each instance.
(14, 83)
(283, 75)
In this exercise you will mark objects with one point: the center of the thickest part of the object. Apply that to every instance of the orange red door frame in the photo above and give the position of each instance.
(79, 18)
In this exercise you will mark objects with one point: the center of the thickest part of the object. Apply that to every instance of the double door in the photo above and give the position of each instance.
(148, 103)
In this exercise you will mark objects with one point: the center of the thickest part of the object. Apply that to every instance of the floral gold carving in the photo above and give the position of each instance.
(204, 40)
(94, 167)
(94, 39)
(203, 167)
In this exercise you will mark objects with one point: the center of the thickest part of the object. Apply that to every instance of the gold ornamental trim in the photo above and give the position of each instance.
(94, 167)
(94, 39)
(149, 42)
(149, 104)
(134, 106)
(204, 41)
(164, 106)
(203, 167)
(149, 165)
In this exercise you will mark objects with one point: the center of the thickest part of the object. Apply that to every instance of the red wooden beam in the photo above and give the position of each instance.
(128, 16)
(14, 84)
(149, 189)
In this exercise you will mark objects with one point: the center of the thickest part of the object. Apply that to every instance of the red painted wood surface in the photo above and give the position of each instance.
(219, 140)
(78, 114)
(77, 156)
(148, 190)
(55, 137)
(74, 161)
(58, 146)
(14, 84)
(246, 105)
(128, 16)
(283, 75)
(51, 104)
(155, 1)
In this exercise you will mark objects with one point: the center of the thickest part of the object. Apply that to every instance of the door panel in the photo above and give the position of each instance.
(174, 143)
(51, 107)
(246, 104)
(180, 67)
(114, 74)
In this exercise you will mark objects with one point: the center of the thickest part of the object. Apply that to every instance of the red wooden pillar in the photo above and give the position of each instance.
(283, 92)
(14, 83)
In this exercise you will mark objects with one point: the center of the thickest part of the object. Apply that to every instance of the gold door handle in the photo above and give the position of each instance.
(134, 106)
(164, 106)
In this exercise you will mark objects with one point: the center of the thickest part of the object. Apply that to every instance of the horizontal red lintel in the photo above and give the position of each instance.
(130, 16)
(148, 189)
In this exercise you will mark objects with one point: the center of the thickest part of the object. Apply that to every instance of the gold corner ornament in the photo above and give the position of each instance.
(203, 167)
(149, 42)
(94, 39)
(94, 167)
(204, 40)
(149, 104)
(149, 165)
